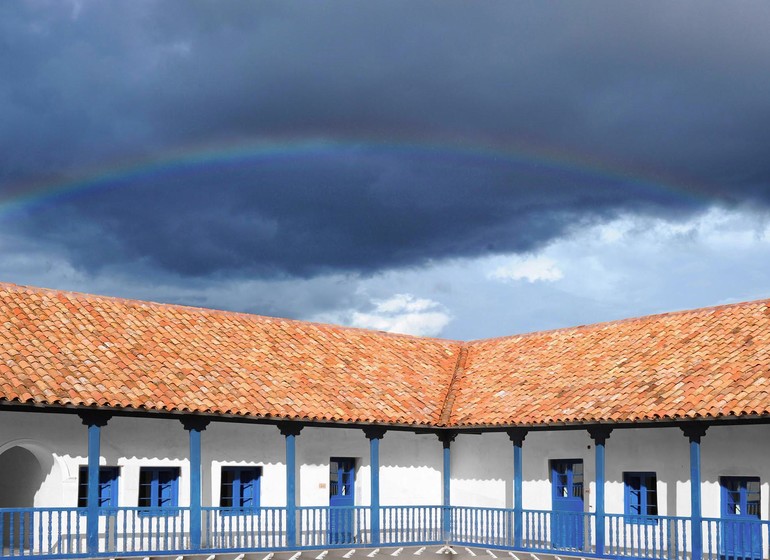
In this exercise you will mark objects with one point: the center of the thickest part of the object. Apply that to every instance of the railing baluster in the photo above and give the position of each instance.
(313, 525)
(432, 516)
(684, 537)
(409, 537)
(614, 544)
(264, 528)
(422, 523)
(385, 536)
(13, 535)
(529, 528)
(475, 522)
(414, 524)
(545, 531)
(305, 525)
(709, 539)
(249, 527)
(659, 539)
(405, 524)
(22, 532)
(493, 527)
(677, 537)
(392, 525)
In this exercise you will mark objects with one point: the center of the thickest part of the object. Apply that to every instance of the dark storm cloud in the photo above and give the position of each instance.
(679, 90)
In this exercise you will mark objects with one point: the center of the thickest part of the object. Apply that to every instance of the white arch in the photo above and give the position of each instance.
(42, 453)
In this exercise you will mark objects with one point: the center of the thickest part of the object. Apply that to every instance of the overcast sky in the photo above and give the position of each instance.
(455, 169)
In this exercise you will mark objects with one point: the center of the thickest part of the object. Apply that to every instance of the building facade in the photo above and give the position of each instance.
(129, 428)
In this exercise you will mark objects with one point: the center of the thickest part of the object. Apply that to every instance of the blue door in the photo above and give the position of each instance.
(740, 531)
(341, 500)
(567, 495)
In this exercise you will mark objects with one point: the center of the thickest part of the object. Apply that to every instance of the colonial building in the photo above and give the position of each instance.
(134, 428)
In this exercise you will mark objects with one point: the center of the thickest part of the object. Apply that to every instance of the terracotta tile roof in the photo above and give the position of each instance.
(62, 348)
(76, 349)
(709, 362)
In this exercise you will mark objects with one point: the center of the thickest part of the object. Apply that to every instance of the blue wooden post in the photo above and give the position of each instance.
(290, 430)
(95, 421)
(447, 437)
(195, 425)
(600, 435)
(375, 434)
(694, 432)
(517, 436)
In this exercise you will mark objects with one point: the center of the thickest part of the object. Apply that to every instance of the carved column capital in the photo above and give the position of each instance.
(600, 433)
(517, 435)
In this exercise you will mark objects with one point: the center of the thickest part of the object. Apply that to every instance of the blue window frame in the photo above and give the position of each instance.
(641, 497)
(740, 531)
(567, 479)
(240, 487)
(158, 489)
(740, 496)
(108, 487)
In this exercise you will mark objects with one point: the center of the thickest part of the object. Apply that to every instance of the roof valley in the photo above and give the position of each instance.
(449, 400)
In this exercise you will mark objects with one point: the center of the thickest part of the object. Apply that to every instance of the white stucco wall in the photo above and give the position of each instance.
(411, 464)
(410, 470)
(482, 466)
(231, 444)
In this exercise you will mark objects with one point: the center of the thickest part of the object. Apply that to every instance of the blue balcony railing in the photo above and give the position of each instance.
(650, 537)
(126, 531)
(409, 525)
(475, 526)
(261, 528)
(735, 539)
(44, 531)
(325, 527)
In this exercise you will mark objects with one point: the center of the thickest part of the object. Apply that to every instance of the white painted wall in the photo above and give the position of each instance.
(482, 465)
(230, 444)
(410, 464)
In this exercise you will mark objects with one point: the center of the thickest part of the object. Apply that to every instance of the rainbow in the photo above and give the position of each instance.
(32, 195)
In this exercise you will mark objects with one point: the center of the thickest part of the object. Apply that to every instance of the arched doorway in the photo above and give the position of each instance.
(21, 476)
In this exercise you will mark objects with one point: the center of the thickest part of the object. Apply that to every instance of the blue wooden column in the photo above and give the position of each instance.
(195, 425)
(517, 436)
(694, 432)
(95, 420)
(447, 437)
(600, 435)
(290, 430)
(374, 434)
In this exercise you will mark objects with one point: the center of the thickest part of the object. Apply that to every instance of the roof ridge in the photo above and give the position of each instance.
(449, 400)
(214, 311)
(602, 324)
(343, 328)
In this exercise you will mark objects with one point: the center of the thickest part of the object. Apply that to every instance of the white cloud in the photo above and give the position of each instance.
(400, 313)
(421, 324)
(401, 303)
(532, 269)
